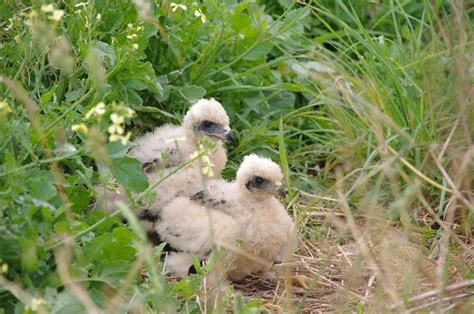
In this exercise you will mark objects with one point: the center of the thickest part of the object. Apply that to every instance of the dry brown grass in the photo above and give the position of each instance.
(329, 277)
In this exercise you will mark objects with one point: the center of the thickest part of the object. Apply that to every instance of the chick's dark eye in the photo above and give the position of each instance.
(207, 124)
(258, 180)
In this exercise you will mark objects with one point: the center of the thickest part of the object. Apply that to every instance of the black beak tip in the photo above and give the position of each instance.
(230, 136)
(282, 191)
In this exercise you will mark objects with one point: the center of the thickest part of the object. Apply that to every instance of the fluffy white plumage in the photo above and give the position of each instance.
(188, 181)
(170, 145)
(179, 142)
(245, 209)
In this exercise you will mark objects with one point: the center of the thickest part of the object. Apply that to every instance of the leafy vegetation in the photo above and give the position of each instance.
(367, 105)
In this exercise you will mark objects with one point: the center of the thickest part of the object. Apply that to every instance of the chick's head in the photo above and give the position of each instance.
(260, 178)
(207, 118)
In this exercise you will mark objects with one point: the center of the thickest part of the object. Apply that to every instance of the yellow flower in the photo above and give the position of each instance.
(98, 17)
(207, 166)
(98, 110)
(4, 268)
(35, 303)
(33, 14)
(129, 112)
(115, 129)
(117, 119)
(123, 138)
(175, 7)
(57, 15)
(4, 107)
(47, 8)
(198, 13)
(135, 46)
(206, 159)
(80, 127)
(207, 170)
(380, 39)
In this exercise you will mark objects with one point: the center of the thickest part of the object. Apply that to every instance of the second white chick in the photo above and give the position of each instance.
(244, 211)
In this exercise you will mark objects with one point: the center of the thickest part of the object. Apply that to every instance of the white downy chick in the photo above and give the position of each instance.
(244, 211)
(206, 118)
(169, 146)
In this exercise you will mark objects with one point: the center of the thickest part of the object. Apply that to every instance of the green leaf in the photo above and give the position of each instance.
(74, 94)
(295, 17)
(9, 244)
(285, 3)
(241, 22)
(128, 172)
(41, 185)
(79, 197)
(29, 259)
(193, 92)
(239, 304)
(114, 273)
(66, 303)
(112, 20)
(156, 110)
(117, 150)
(132, 98)
(106, 53)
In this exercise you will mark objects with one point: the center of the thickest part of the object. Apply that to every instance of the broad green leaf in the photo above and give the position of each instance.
(41, 185)
(241, 22)
(193, 92)
(106, 53)
(112, 20)
(79, 197)
(117, 150)
(67, 303)
(114, 273)
(128, 172)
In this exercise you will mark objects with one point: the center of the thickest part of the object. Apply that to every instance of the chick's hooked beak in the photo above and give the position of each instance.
(282, 191)
(229, 136)
(222, 133)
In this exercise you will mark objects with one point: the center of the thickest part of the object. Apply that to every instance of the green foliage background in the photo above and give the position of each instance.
(312, 86)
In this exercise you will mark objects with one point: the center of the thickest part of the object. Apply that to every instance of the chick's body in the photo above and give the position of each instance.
(162, 143)
(266, 231)
(168, 146)
(230, 215)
